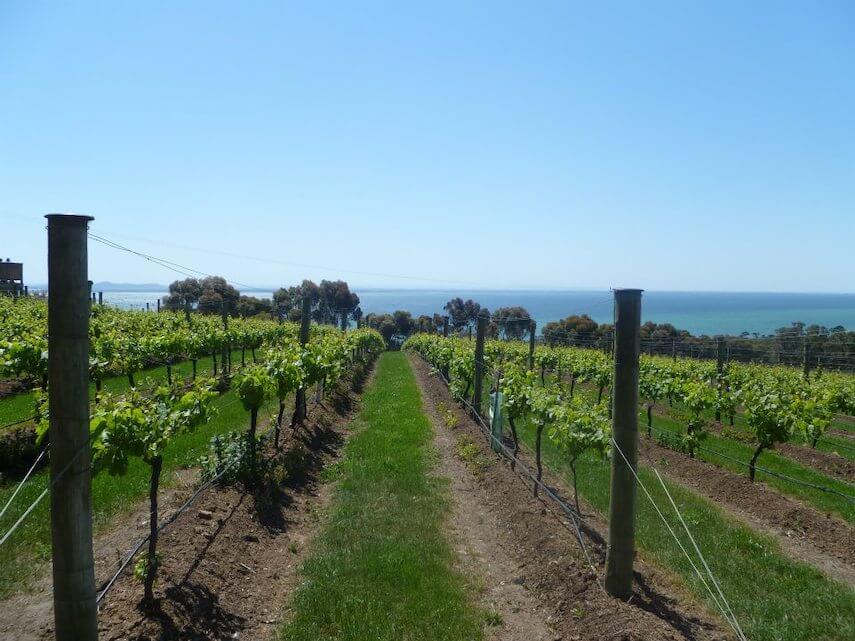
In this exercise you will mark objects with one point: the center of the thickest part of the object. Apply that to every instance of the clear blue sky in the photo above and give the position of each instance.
(690, 146)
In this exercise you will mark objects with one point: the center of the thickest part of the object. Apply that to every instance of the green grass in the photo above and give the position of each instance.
(382, 568)
(20, 406)
(823, 501)
(23, 557)
(774, 598)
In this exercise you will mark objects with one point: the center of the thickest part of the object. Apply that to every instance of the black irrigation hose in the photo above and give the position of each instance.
(795, 481)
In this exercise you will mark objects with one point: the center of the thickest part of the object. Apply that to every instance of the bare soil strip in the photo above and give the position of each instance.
(476, 533)
(227, 563)
(547, 556)
(823, 540)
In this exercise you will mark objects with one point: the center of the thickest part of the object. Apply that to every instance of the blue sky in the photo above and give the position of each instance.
(686, 146)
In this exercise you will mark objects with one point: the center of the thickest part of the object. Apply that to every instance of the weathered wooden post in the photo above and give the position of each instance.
(75, 609)
(532, 330)
(225, 366)
(300, 411)
(483, 318)
(146, 306)
(806, 358)
(621, 543)
(470, 331)
(158, 305)
(100, 298)
(719, 368)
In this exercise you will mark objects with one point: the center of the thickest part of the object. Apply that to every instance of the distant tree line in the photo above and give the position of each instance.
(332, 302)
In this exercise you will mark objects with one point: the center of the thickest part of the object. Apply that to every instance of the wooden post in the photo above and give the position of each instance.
(75, 609)
(224, 357)
(470, 331)
(158, 305)
(674, 350)
(445, 326)
(719, 368)
(806, 358)
(483, 318)
(621, 543)
(532, 330)
(100, 298)
(146, 306)
(300, 411)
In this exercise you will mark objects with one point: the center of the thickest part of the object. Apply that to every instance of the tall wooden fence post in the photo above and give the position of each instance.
(483, 318)
(158, 305)
(225, 366)
(532, 330)
(300, 411)
(75, 609)
(621, 544)
(719, 368)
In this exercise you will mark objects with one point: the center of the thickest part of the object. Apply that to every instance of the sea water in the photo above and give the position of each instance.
(698, 312)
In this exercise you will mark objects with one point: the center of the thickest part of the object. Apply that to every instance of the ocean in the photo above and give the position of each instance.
(698, 312)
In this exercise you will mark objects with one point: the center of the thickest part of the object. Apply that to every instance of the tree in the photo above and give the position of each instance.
(181, 293)
(216, 294)
(252, 306)
(394, 327)
(462, 313)
(513, 322)
(571, 330)
(289, 301)
(336, 303)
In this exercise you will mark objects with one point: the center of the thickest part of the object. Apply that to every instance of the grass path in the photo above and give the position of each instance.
(382, 566)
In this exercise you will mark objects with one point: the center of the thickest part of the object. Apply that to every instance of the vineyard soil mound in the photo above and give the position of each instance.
(550, 563)
(820, 539)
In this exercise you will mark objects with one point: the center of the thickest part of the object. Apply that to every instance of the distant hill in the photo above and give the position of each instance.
(107, 286)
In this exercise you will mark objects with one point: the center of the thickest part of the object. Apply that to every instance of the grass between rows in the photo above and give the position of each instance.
(20, 406)
(23, 557)
(823, 501)
(774, 598)
(382, 567)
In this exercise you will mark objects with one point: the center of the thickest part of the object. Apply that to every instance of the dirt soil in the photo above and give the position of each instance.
(531, 545)
(825, 462)
(807, 534)
(228, 564)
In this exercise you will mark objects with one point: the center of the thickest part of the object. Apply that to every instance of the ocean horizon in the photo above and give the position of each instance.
(700, 313)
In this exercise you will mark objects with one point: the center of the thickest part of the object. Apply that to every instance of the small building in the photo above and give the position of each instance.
(11, 278)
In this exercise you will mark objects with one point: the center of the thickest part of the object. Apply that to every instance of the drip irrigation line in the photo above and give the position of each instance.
(18, 422)
(821, 488)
